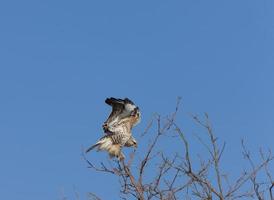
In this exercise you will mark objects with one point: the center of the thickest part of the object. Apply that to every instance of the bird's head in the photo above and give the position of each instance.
(135, 116)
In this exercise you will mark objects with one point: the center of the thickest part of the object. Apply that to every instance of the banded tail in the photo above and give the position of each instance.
(106, 144)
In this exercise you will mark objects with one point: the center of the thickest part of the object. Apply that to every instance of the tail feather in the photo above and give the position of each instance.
(92, 147)
(101, 144)
(106, 144)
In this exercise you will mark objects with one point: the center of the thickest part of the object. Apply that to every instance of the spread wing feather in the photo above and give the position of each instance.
(121, 108)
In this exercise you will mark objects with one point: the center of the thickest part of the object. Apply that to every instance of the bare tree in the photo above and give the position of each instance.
(177, 176)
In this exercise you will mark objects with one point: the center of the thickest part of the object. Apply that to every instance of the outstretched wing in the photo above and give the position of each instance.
(121, 108)
(117, 108)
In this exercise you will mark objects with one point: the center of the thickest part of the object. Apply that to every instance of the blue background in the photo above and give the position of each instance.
(59, 60)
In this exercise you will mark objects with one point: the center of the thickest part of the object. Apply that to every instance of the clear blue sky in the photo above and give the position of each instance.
(59, 60)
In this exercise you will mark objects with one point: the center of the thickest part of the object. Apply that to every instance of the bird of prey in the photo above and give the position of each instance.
(124, 116)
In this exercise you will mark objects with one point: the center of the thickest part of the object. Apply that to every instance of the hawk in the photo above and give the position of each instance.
(123, 117)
